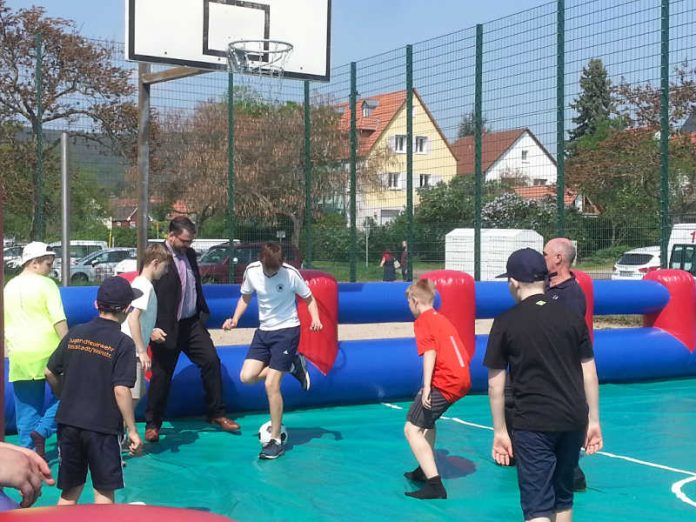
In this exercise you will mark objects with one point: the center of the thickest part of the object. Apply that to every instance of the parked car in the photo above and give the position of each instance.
(79, 248)
(97, 266)
(214, 264)
(634, 264)
(12, 256)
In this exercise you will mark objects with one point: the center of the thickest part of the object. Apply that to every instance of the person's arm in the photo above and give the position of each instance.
(429, 359)
(313, 313)
(53, 381)
(124, 400)
(502, 445)
(61, 328)
(593, 440)
(137, 336)
(242, 305)
(21, 470)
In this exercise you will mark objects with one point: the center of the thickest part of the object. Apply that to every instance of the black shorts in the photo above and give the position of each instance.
(425, 418)
(276, 348)
(545, 465)
(79, 450)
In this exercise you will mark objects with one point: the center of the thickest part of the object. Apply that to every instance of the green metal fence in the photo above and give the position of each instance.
(574, 118)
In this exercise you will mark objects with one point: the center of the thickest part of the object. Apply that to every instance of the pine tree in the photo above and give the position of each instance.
(595, 104)
(467, 127)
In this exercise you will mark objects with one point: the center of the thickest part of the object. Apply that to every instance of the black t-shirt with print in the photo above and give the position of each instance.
(543, 343)
(93, 358)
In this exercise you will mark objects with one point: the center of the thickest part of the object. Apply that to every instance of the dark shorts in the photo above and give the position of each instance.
(423, 417)
(545, 465)
(79, 450)
(276, 348)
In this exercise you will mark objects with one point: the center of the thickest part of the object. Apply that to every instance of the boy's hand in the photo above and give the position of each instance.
(593, 439)
(425, 399)
(135, 447)
(502, 448)
(158, 335)
(229, 324)
(316, 325)
(144, 360)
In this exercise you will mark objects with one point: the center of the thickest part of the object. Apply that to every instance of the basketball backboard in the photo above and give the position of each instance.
(196, 33)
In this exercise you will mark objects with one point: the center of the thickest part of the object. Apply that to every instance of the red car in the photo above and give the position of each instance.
(214, 264)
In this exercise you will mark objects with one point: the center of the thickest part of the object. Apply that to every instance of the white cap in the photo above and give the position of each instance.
(35, 249)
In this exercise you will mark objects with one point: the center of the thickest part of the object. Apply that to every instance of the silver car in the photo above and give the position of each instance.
(97, 266)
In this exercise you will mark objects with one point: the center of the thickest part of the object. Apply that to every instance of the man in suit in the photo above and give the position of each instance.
(181, 315)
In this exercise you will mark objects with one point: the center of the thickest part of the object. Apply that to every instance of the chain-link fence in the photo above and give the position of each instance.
(574, 118)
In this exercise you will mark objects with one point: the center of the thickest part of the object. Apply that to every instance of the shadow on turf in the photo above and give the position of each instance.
(300, 436)
(179, 434)
(453, 466)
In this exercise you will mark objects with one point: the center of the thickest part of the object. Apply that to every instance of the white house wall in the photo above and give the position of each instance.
(537, 166)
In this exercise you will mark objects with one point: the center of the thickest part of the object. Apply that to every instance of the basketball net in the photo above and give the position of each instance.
(259, 67)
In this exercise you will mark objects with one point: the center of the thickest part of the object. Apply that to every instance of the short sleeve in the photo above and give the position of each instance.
(54, 304)
(56, 363)
(425, 340)
(586, 350)
(495, 358)
(141, 302)
(299, 285)
(125, 364)
(247, 288)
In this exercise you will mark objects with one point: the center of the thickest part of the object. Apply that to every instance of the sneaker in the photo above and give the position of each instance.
(299, 371)
(271, 450)
(152, 434)
(579, 480)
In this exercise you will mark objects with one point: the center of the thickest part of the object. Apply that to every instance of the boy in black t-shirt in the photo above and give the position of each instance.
(97, 364)
(554, 384)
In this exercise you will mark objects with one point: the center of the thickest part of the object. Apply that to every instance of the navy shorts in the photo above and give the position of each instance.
(425, 418)
(545, 465)
(275, 348)
(79, 450)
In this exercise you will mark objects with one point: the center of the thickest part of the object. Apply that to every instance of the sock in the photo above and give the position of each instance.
(432, 489)
(416, 475)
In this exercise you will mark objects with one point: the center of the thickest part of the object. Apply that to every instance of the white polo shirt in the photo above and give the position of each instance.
(275, 295)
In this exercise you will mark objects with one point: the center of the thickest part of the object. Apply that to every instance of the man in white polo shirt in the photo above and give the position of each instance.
(273, 350)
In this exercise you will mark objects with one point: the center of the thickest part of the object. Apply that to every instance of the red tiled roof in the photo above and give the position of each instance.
(537, 192)
(494, 145)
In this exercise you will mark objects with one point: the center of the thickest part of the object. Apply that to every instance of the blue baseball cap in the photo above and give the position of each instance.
(116, 293)
(526, 265)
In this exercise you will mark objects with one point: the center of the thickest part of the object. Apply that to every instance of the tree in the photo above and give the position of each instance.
(80, 83)
(595, 104)
(467, 127)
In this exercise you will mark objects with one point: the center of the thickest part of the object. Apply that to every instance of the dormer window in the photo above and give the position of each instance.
(368, 106)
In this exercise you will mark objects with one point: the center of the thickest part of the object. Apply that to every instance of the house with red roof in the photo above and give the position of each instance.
(515, 154)
(381, 127)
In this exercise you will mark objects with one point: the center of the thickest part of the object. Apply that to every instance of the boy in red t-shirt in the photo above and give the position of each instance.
(445, 380)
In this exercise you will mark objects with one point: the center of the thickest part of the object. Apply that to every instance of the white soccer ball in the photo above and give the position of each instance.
(265, 433)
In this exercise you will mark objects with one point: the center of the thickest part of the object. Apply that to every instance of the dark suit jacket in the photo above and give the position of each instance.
(168, 291)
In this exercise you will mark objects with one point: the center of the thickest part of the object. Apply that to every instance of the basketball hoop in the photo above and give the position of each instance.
(262, 62)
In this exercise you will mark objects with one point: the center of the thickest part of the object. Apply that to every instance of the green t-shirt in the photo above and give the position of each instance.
(32, 308)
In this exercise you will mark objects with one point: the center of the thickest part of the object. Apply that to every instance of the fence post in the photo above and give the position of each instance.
(478, 149)
(560, 118)
(39, 228)
(143, 160)
(2, 315)
(229, 214)
(409, 160)
(308, 175)
(664, 135)
(65, 209)
(353, 171)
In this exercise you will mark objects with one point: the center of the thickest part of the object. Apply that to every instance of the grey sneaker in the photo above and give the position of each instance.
(271, 450)
(299, 371)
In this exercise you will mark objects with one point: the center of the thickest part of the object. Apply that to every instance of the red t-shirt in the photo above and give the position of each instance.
(451, 374)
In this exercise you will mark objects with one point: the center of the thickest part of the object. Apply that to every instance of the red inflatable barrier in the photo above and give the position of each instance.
(457, 302)
(111, 513)
(585, 282)
(320, 347)
(679, 316)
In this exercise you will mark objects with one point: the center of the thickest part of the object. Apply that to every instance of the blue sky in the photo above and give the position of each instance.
(360, 28)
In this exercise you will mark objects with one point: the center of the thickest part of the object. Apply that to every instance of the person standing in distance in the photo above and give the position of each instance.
(181, 314)
(403, 261)
(553, 377)
(559, 254)
(34, 325)
(273, 350)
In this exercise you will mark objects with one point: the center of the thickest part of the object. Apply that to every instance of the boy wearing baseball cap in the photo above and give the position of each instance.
(97, 364)
(553, 378)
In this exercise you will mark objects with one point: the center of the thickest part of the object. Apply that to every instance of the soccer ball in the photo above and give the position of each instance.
(265, 433)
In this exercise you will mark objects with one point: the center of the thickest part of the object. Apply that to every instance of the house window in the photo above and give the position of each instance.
(539, 181)
(393, 180)
(424, 180)
(421, 145)
(387, 215)
(525, 154)
(400, 143)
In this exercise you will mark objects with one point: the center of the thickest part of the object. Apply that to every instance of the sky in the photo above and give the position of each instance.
(360, 28)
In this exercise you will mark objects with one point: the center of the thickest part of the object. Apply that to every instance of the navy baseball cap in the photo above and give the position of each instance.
(526, 265)
(116, 293)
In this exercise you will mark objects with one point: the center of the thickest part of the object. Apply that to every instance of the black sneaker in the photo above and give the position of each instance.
(271, 450)
(579, 480)
(299, 371)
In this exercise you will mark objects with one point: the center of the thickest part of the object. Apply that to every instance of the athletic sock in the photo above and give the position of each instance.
(432, 489)
(416, 475)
